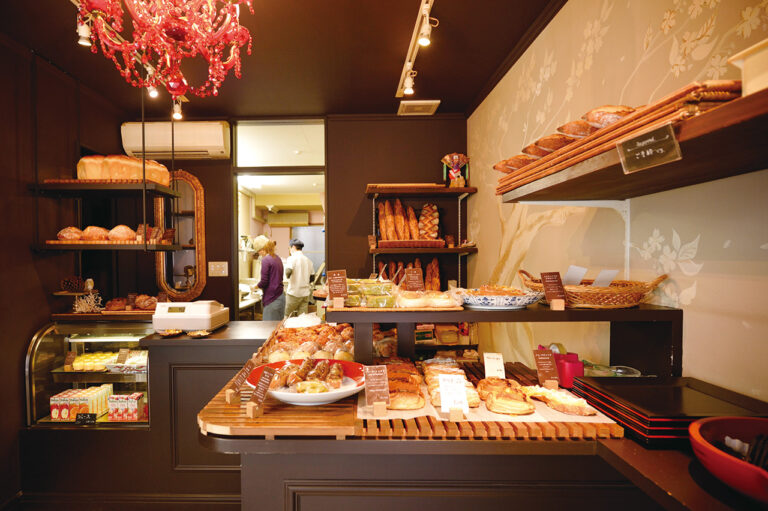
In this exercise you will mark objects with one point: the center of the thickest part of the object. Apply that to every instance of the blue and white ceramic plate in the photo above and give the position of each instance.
(496, 302)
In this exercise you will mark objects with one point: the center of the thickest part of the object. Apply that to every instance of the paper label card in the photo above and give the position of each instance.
(453, 393)
(574, 275)
(376, 384)
(69, 358)
(605, 277)
(494, 365)
(337, 284)
(122, 355)
(553, 286)
(546, 368)
(652, 148)
(85, 418)
(414, 280)
(241, 375)
(262, 386)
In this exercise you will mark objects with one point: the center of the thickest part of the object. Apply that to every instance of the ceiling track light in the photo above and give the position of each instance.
(152, 92)
(177, 110)
(421, 36)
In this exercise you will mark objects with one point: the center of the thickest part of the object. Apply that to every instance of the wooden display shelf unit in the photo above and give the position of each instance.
(152, 247)
(455, 250)
(726, 141)
(73, 188)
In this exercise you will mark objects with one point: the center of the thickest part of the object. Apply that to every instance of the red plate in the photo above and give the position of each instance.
(738, 474)
(352, 370)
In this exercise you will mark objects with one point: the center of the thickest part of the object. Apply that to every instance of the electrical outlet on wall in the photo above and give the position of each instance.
(218, 269)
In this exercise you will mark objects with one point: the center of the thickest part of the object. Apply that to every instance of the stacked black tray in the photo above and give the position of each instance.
(657, 411)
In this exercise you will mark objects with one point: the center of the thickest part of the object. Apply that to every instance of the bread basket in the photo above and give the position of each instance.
(619, 295)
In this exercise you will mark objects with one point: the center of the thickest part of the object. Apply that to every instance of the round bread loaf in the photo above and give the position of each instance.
(122, 233)
(70, 234)
(94, 233)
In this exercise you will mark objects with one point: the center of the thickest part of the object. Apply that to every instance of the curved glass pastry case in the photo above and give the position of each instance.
(83, 374)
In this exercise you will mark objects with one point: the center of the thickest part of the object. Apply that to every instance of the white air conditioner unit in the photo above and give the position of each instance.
(192, 140)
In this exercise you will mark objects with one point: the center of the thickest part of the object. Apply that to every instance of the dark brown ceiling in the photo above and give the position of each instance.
(317, 57)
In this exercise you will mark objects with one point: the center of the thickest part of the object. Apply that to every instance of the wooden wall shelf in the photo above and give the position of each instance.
(726, 141)
(394, 190)
(97, 316)
(70, 187)
(457, 250)
(152, 247)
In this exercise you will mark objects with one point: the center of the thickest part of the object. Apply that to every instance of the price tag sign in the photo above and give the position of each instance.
(337, 284)
(453, 393)
(376, 385)
(652, 148)
(255, 405)
(494, 365)
(574, 275)
(241, 375)
(122, 355)
(604, 278)
(545, 366)
(553, 286)
(85, 418)
(414, 280)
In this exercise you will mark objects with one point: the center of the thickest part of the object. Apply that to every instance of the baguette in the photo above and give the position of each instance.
(390, 221)
(413, 224)
(382, 222)
(401, 227)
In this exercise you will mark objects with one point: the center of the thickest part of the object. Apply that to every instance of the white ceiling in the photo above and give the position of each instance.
(277, 184)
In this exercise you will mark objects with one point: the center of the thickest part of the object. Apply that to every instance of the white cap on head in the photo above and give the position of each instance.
(259, 242)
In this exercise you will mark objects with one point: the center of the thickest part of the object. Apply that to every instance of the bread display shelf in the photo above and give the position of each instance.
(98, 316)
(61, 376)
(100, 186)
(738, 125)
(415, 189)
(105, 245)
(411, 243)
(444, 250)
(397, 309)
(338, 420)
(425, 346)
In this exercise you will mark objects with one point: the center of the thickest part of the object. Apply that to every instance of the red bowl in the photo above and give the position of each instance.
(738, 474)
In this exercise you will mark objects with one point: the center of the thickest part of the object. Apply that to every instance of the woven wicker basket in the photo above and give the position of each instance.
(619, 295)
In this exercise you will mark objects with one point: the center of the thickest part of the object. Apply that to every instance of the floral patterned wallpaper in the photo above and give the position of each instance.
(709, 238)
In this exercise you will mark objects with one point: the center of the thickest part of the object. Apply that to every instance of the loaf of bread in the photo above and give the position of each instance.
(382, 222)
(413, 224)
(90, 167)
(69, 234)
(535, 151)
(389, 217)
(578, 128)
(146, 302)
(93, 233)
(116, 304)
(401, 226)
(122, 233)
(606, 115)
(405, 401)
(428, 222)
(554, 142)
(516, 162)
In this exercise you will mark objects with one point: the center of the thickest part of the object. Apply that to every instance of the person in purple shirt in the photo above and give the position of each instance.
(271, 283)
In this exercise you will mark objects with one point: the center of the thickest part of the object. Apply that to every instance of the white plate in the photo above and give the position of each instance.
(493, 308)
(348, 388)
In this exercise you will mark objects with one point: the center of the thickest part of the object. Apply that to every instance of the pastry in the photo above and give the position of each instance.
(578, 128)
(491, 385)
(554, 142)
(90, 167)
(122, 233)
(389, 217)
(93, 233)
(606, 115)
(401, 227)
(146, 302)
(559, 400)
(439, 299)
(411, 299)
(507, 405)
(535, 151)
(428, 222)
(70, 234)
(473, 399)
(413, 224)
(405, 401)
(116, 304)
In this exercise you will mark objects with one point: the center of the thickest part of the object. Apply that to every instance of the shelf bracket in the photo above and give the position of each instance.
(622, 207)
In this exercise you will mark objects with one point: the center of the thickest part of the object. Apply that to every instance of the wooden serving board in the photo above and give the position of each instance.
(336, 420)
(397, 309)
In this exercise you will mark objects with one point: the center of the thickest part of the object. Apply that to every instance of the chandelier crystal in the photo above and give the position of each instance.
(165, 32)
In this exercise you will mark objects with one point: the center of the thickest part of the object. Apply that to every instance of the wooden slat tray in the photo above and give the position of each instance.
(411, 243)
(103, 242)
(338, 420)
(397, 309)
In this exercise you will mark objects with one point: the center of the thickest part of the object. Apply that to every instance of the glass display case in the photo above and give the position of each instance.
(83, 374)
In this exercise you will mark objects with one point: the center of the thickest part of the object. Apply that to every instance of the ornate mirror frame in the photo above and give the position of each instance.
(200, 262)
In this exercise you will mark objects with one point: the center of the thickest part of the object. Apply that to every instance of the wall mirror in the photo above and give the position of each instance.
(182, 274)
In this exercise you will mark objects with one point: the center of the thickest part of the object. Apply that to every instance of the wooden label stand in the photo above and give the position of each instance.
(232, 389)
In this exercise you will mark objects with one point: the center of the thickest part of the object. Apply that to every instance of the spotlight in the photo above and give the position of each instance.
(177, 110)
(84, 34)
(426, 31)
(152, 91)
(408, 85)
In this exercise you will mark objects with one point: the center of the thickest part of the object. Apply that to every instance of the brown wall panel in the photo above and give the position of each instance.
(378, 149)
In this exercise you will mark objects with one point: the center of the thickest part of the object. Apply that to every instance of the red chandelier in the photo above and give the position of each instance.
(164, 33)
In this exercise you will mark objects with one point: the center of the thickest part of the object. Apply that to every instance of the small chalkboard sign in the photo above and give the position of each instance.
(82, 419)
(255, 406)
(376, 384)
(414, 280)
(553, 286)
(546, 369)
(649, 149)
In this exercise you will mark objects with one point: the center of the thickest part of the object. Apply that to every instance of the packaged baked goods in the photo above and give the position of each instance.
(380, 301)
(69, 234)
(554, 142)
(438, 299)
(606, 115)
(353, 300)
(411, 299)
(447, 333)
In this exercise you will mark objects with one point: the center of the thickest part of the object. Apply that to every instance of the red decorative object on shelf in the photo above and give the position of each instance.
(165, 32)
